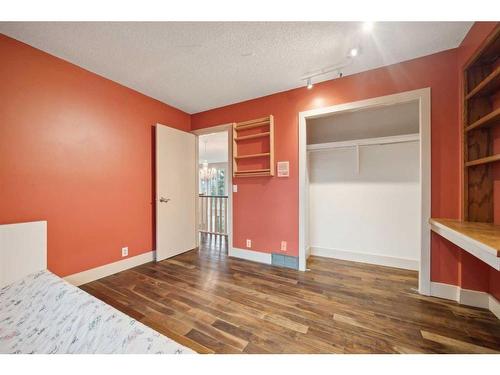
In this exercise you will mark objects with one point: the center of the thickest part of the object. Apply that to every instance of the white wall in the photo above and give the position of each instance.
(372, 216)
(366, 123)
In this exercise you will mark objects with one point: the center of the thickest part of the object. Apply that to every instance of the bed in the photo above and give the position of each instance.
(42, 313)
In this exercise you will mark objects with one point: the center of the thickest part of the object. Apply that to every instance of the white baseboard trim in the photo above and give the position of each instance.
(474, 298)
(445, 291)
(109, 269)
(466, 297)
(381, 260)
(254, 256)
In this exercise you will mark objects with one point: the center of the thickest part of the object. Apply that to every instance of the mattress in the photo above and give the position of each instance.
(42, 313)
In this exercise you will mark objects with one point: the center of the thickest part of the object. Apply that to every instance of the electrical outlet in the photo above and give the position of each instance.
(124, 251)
(283, 245)
(249, 243)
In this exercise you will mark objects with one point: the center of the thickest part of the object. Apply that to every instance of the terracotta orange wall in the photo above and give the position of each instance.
(472, 273)
(76, 149)
(266, 209)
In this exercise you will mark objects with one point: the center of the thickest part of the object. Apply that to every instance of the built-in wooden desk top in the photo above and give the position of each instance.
(480, 239)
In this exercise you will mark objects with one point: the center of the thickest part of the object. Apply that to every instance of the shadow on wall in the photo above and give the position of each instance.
(396, 163)
(385, 194)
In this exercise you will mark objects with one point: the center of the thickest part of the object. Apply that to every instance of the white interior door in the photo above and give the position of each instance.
(176, 178)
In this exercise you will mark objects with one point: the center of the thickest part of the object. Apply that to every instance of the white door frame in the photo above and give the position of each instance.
(217, 129)
(423, 97)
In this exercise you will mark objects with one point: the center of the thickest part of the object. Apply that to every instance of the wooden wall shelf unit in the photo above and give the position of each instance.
(481, 117)
(258, 132)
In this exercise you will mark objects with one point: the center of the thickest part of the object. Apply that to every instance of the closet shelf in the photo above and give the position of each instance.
(252, 136)
(492, 118)
(486, 160)
(487, 86)
(365, 142)
(253, 155)
(479, 239)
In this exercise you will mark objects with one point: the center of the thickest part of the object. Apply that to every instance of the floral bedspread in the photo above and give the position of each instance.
(42, 313)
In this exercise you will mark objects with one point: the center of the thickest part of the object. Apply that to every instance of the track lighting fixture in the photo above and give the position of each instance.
(347, 60)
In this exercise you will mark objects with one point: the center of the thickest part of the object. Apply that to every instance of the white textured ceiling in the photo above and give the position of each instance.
(196, 66)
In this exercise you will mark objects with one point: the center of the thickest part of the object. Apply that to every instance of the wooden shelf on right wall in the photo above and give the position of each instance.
(488, 86)
(492, 118)
(485, 160)
(481, 118)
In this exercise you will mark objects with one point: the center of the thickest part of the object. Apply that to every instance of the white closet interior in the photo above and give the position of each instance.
(364, 191)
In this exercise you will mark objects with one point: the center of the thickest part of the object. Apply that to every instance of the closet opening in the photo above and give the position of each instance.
(364, 183)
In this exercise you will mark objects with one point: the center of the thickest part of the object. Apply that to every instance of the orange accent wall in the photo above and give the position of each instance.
(76, 149)
(274, 215)
(266, 209)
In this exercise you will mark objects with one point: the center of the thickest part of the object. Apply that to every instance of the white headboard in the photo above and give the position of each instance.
(23, 250)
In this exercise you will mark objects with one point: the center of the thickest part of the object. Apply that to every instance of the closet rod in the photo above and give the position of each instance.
(364, 142)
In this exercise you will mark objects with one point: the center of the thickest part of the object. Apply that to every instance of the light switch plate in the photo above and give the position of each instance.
(235, 188)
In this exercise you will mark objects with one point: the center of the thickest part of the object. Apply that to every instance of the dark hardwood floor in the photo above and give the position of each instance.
(216, 304)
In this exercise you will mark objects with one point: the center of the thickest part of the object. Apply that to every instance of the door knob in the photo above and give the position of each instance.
(164, 200)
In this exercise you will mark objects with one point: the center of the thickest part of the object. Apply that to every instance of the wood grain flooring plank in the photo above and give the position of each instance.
(216, 304)
(461, 346)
